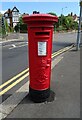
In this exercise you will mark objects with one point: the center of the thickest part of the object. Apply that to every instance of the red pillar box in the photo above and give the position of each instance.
(40, 30)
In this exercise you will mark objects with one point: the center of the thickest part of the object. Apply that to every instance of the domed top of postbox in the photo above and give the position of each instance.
(40, 18)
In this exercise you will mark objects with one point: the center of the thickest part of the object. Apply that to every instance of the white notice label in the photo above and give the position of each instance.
(42, 48)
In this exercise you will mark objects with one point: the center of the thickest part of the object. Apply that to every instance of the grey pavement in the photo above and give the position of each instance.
(14, 37)
(65, 82)
(68, 37)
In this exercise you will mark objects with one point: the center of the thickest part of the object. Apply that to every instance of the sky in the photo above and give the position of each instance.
(43, 7)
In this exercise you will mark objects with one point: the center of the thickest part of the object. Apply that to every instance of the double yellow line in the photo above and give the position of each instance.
(25, 74)
(62, 50)
(16, 82)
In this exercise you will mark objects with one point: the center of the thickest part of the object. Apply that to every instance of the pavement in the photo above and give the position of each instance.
(14, 37)
(65, 82)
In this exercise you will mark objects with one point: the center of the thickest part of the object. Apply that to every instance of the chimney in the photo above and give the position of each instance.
(71, 13)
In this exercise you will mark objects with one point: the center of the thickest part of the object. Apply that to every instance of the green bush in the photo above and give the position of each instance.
(75, 25)
(11, 29)
(21, 27)
(3, 32)
(61, 28)
(16, 28)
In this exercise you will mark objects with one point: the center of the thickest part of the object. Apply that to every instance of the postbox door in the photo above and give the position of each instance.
(40, 49)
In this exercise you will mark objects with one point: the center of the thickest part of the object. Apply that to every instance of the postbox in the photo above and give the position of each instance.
(40, 31)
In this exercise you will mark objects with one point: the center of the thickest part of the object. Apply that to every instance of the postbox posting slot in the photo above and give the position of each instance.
(42, 33)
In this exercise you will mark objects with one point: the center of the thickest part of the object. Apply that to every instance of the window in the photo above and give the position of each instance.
(15, 19)
(16, 13)
(6, 15)
(13, 13)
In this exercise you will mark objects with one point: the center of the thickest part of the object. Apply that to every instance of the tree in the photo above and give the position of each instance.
(1, 14)
(0, 24)
(21, 26)
(74, 25)
(62, 20)
(6, 26)
(16, 28)
(21, 20)
(3, 26)
(66, 23)
(69, 22)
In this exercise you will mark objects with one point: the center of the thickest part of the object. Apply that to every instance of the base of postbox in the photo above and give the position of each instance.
(39, 95)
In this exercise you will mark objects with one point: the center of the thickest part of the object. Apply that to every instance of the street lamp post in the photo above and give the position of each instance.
(79, 28)
(62, 14)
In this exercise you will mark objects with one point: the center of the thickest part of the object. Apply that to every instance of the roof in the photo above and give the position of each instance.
(8, 11)
(15, 8)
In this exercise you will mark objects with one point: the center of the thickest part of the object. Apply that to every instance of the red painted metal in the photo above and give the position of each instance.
(40, 30)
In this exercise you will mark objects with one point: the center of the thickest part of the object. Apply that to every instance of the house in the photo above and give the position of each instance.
(75, 17)
(15, 16)
(12, 16)
(8, 17)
